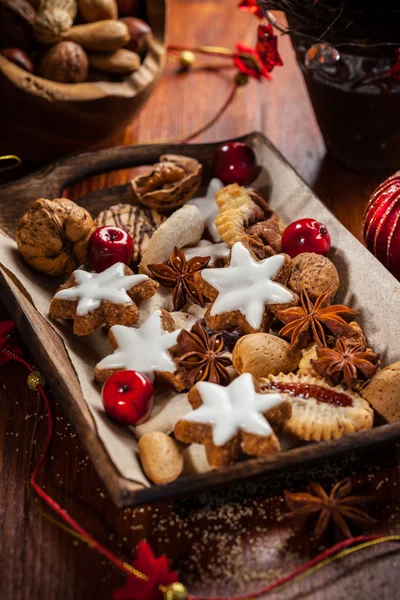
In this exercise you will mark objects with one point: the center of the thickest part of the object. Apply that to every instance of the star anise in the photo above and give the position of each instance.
(202, 356)
(339, 507)
(346, 363)
(179, 273)
(308, 321)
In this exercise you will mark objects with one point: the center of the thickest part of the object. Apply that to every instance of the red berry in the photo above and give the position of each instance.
(382, 224)
(107, 246)
(306, 235)
(235, 162)
(128, 397)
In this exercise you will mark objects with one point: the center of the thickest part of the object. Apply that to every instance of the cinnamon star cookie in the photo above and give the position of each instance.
(92, 300)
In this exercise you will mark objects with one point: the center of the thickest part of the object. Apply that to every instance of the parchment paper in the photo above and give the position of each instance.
(365, 285)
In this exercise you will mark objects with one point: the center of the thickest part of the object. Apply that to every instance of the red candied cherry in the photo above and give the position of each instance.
(128, 397)
(235, 162)
(306, 235)
(109, 245)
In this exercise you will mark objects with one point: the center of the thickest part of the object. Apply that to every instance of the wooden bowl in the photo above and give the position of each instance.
(41, 120)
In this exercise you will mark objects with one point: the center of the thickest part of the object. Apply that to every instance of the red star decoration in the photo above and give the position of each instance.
(252, 7)
(6, 328)
(395, 70)
(249, 62)
(267, 47)
(157, 571)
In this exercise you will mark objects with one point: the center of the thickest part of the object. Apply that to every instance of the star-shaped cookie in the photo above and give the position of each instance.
(145, 349)
(228, 420)
(209, 209)
(244, 292)
(96, 299)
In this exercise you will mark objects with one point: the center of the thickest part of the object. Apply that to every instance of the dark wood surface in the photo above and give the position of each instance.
(231, 541)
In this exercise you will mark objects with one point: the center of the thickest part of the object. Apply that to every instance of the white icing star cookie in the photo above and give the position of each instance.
(144, 349)
(208, 207)
(110, 285)
(237, 407)
(205, 248)
(246, 285)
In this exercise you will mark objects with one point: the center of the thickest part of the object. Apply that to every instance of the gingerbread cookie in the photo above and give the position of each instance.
(244, 292)
(92, 300)
(146, 349)
(233, 419)
(137, 220)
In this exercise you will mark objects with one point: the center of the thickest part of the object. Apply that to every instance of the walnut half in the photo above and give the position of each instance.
(52, 236)
(171, 183)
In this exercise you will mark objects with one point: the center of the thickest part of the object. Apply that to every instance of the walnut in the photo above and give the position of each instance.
(264, 239)
(52, 236)
(356, 336)
(65, 62)
(171, 183)
(315, 273)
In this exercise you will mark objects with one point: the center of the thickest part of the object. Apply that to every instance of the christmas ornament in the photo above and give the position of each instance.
(128, 397)
(235, 162)
(267, 47)
(157, 574)
(109, 245)
(6, 328)
(175, 591)
(306, 235)
(252, 7)
(187, 59)
(35, 379)
(382, 224)
(248, 62)
(321, 55)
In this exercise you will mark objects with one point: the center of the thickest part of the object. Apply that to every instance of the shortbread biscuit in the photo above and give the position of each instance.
(319, 411)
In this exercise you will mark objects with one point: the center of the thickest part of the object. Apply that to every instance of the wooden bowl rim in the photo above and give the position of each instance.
(132, 84)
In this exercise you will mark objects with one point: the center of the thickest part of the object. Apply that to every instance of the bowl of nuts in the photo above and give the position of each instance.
(73, 73)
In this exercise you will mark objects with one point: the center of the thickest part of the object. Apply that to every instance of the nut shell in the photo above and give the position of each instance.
(53, 18)
(263, 354)
(97, 10)
(316, 273)
(66, 62)
(52, 236)
(172, 182)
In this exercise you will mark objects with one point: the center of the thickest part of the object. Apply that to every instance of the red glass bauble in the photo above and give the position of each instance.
(109, 245)
(235, 162)
(382, 224)
(306, 235)
(128, 397)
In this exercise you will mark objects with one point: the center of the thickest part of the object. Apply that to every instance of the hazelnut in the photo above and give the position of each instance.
(263, 354)
(52, 236)
(66, 62)
(139, 32)
(315, 273)
(19, 58)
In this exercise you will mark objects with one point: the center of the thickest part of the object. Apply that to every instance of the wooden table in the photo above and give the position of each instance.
(232, 541)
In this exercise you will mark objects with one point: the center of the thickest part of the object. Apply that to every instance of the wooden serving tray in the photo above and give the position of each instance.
(48, 348)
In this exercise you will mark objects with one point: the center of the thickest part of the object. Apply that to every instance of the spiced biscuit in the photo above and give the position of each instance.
(233, 419)
(93, 300)
(243, 293)
(147, 349)
(137, 220)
